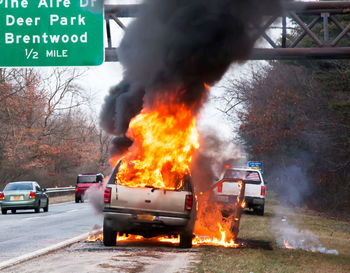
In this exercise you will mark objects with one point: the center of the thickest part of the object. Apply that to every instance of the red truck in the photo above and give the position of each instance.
(85, 181)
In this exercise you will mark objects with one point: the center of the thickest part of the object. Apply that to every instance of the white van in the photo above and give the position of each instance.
(227, 191)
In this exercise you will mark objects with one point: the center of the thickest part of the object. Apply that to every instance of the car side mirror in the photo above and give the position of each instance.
(44, 190)
(265, 182)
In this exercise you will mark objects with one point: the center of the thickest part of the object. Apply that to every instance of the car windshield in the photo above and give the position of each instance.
(87, 179)
(248, 176)
(19, 186)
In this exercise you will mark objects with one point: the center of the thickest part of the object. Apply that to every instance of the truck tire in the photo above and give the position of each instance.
(260, 210)
(185, 240)
(13, 211)
(4, 211)
(76, 199)
(109, 235)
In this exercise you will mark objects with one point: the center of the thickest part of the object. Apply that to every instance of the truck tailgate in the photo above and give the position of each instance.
(232, 188)
(148, 199)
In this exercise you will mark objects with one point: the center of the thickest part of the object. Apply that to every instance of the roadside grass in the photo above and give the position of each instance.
(261, 253)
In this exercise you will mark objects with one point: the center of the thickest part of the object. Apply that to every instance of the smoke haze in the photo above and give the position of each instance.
(289, 236)
(209, 161)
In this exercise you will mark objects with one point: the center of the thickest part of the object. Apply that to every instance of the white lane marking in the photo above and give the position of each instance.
(45, 216)
(30, 218)
(45, 250)
(72, 210)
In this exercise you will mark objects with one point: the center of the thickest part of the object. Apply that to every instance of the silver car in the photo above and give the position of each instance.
(23, 195)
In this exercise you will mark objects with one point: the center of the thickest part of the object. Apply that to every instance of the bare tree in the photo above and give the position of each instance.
(45, 131)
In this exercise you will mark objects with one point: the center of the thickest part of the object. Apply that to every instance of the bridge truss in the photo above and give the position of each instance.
(277, 45)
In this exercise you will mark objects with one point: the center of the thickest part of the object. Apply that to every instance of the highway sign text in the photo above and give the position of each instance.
(51, 32)
(258, 165)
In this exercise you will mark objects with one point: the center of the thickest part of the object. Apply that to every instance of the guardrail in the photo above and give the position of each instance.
(60, 191)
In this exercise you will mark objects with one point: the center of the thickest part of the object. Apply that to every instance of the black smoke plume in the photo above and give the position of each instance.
(180, 45)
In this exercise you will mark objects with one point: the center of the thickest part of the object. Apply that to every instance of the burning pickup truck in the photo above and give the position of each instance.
(148, 211)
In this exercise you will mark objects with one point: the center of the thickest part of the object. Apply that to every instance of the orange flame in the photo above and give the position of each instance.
(206, 86)
(287, 245)
(94, 238)
(211, 228)
(201, 240)
(197, 241)
(164, 139)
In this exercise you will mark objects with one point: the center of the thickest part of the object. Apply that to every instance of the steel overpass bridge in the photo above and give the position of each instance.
(304, 15)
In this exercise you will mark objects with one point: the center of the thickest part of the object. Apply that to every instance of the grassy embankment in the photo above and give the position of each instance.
(262, 253)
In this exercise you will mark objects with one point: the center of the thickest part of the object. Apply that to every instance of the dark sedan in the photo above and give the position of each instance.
(23, 195)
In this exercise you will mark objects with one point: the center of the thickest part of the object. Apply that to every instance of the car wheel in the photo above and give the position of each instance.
(109, 235)
(259, 211)
(4, 211)
(46, 209)
(13, 211)
(185, 240)
(37, 210)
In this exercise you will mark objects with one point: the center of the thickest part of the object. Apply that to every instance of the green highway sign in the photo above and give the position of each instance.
(51, 32)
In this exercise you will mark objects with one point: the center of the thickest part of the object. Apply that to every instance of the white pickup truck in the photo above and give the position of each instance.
(148, 212)
(226, 193)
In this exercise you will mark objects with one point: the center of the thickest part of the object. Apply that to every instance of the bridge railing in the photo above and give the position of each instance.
(60, 191)
(304, 15)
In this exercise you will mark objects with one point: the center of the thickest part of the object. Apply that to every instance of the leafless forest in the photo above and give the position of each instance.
(46, 132)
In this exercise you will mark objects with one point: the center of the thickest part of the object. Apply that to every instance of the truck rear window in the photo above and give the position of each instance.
(250, 177)
(87, 179)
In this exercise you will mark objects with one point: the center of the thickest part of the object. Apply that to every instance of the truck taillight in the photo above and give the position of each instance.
(107, 195)
(220, 187)
(262, 191)
(76, 189)
(31, 195)
(2, 196)
(189, 202)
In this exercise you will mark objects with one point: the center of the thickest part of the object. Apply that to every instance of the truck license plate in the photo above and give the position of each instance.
(145, 217)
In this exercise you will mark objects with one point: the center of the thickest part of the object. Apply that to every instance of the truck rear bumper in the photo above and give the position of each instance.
(255, 200)
(142, 223)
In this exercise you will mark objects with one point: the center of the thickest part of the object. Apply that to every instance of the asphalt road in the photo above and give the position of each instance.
(140, 257)
(26, 231)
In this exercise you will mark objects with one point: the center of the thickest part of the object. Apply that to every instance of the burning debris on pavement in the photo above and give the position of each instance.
(172, 53)
(197, 240)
